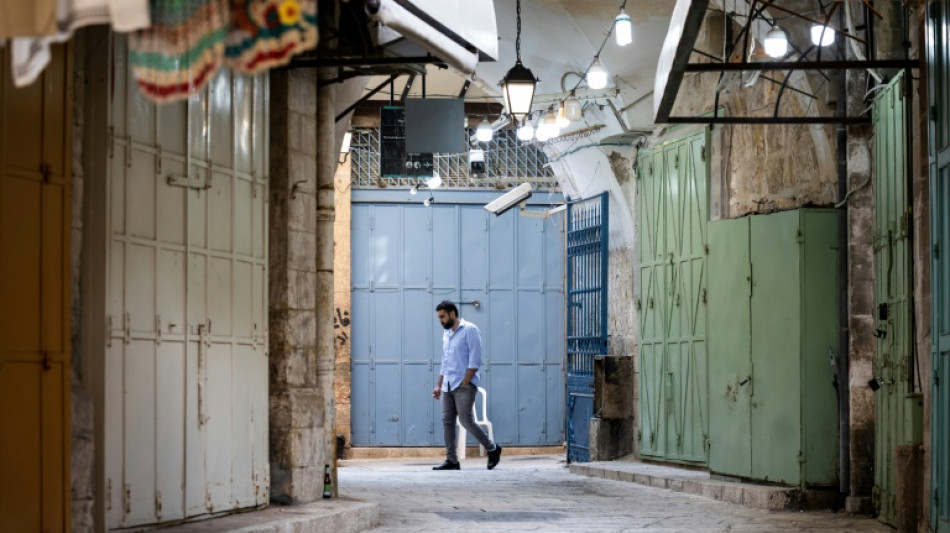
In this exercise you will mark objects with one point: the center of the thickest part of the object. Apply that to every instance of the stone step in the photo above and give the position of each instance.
(337, 515)
(768, 497)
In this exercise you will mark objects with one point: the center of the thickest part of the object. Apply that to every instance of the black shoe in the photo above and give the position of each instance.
(494, 456)
(448, 465)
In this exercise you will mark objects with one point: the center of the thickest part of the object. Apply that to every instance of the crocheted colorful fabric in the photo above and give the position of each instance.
(191, 39)
(182, 50)
(268, 33)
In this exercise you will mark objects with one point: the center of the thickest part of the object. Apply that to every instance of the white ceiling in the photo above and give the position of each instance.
(562, 36)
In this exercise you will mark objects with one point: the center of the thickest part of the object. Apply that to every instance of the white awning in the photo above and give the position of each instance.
(459, 32)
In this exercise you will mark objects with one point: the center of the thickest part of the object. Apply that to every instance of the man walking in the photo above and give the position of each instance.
(458, 382)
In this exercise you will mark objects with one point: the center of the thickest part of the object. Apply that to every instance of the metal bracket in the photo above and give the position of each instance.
(188, 182)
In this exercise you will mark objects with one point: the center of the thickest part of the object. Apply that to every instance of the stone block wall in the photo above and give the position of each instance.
(299, 380)
(343, 309)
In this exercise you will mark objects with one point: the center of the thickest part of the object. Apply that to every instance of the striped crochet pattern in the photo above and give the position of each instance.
(189, 40)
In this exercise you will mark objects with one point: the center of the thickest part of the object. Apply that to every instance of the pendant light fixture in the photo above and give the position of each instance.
(484, 131)
(549, 125)
(822, 35)
(562, 120)
(526, 131)
(623, 28)
(775, 42)
(572, 108)
(596, 75)
(519, 83)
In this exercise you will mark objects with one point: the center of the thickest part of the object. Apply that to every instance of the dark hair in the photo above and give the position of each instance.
(448, 307)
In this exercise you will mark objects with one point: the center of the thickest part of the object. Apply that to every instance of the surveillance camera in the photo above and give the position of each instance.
(509, 199)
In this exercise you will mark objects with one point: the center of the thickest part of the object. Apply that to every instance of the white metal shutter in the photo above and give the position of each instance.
(186, 369)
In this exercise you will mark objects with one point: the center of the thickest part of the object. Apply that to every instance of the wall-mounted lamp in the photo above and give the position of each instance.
(345, 146)
(428, 201)
(573, 109)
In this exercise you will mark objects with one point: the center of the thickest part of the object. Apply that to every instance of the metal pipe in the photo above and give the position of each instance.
(766, 120)
(803, 65)
(844, 347)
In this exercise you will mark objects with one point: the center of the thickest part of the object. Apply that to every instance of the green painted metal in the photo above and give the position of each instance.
(730, 347)
(892, 293)
(672, 215)
(773, 292)
(938, 67)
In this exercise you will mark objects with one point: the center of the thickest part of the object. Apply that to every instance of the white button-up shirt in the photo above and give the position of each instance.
(461, 350)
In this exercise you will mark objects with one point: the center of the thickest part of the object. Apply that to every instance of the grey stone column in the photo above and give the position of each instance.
(298, 412)
(327, 162)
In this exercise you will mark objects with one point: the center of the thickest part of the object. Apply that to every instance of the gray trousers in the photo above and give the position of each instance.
(458, 403)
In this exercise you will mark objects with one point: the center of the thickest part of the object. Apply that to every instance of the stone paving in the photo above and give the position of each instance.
(538, 493)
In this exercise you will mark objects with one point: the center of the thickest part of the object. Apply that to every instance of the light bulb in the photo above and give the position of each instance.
(623, 28)
(775, 42)
(541, 133)
(526, 132)
(428, 201)
(434, 182)
(549, 125)
(562, 120)
(572, 109)
(822, 35)
(413, 190)
(484, 132)
(597, 75)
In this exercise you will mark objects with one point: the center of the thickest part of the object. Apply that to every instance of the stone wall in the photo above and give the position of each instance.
(82, 437)
(343, 308)
(299, 414)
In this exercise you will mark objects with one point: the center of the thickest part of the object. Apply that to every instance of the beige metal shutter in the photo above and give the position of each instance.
(186, 371)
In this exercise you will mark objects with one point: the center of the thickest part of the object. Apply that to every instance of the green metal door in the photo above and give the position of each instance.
(893, 287)
(938, 60)
(672, 212)
(730, 360)
(776, 346)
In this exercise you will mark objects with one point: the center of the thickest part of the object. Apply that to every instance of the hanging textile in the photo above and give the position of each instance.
(191, 39)
(267, 34)
(19, 18)
(182, 49)
(30, 52)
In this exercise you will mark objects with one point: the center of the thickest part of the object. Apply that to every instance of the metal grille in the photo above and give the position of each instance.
(586, 315)
(507, 161)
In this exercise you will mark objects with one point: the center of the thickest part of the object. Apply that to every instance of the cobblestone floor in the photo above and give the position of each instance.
(537, 493)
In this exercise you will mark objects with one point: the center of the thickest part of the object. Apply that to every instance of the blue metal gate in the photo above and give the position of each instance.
(586, 315)
(507, 272)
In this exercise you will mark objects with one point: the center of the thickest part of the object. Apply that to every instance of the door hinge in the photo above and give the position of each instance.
(801, 456)
(933, 113)
(128, 328)
(936, 379)
(108, 494)
(937, 250)
(702, 153)
(158, 504)
(46, 361)
(108, 331)
(158, 330)
(799, 237)
(127, 499)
